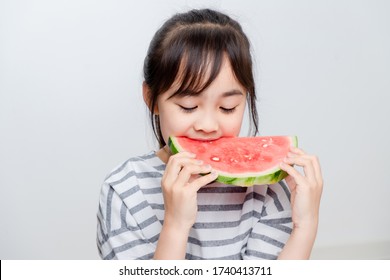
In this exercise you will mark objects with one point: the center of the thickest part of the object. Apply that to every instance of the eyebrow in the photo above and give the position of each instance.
(232, 93)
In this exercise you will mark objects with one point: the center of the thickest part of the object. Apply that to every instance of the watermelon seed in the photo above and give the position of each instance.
(215, 159)
(248, 157)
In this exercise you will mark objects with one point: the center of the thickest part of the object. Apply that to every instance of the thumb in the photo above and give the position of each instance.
(203, 181)
(292, 185)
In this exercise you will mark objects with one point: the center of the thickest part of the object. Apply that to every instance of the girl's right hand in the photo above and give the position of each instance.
(180, 184)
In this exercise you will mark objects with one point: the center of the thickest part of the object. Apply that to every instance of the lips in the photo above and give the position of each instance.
(206, 139)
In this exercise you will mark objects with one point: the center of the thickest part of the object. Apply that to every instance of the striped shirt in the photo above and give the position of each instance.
(232, 222)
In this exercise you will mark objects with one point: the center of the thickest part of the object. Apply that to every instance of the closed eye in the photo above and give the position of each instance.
(187, 109)
(228, 110)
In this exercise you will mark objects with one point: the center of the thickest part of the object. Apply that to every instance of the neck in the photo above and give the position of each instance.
(164, 154)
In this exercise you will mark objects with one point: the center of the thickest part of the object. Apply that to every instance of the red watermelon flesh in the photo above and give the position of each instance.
(241, 161)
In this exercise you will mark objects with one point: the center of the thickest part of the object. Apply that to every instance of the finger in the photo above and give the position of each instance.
(291, 183)
(185, 174)
(203, 181)
(298, 177)
(297, 150)
(317, 169)
(314, 163)
(175, 165)
(306, 163)
(185, 154)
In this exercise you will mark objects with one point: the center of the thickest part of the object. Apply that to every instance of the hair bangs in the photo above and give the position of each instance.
(203, 49)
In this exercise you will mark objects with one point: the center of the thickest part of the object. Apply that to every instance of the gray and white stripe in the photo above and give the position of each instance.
(232, 222)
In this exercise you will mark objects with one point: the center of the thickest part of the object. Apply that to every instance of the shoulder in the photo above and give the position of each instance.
(146, 165)
(132, 175)
(128, 182)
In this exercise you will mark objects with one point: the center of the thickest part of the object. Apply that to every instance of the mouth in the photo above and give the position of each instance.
(205, 139)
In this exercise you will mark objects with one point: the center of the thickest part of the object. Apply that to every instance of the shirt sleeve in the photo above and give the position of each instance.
(119, 234)
(274, 226)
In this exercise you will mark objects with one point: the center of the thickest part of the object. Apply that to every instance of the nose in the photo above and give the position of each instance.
(206, 123)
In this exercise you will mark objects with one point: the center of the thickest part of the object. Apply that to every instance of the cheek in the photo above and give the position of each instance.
(232, 127)
(233, 123)
(234, 130)
(172, 123)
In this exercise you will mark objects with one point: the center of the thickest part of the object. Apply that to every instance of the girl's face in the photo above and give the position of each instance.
(217, 111)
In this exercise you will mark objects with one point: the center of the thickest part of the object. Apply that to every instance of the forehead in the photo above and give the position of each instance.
(194, 79)
(225, 84)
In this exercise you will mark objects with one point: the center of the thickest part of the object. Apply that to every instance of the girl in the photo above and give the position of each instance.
(198, 80)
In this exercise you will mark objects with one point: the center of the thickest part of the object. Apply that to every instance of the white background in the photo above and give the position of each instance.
(71, 110)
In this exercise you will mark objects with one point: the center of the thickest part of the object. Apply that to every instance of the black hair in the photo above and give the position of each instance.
(194, 43)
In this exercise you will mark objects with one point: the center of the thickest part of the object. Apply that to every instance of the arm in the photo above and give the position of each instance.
(172, 243)
(306, 190)
(120, 234)
(180, 184)
(299, 245)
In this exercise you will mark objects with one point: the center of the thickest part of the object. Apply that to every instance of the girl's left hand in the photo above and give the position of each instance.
(306, 188)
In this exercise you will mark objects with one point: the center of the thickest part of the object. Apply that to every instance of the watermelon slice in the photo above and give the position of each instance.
(240, 161)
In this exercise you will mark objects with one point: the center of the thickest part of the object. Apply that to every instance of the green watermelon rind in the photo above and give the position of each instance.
(267, 177)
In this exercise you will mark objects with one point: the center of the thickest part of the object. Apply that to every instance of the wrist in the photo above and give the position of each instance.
(172, 243)
(300, 243)
(308, 224)
(305, 231)
(175, 226)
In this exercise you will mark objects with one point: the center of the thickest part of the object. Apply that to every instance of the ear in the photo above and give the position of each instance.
(147, 94)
